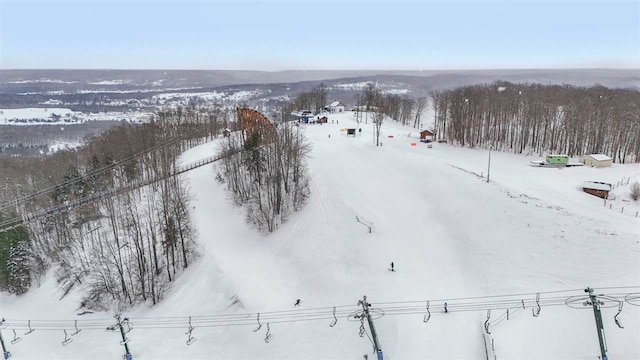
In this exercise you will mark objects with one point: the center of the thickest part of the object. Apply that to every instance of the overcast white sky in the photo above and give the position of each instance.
(279, 35)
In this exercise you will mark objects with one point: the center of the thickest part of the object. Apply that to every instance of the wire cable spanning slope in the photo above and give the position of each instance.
(98, 171)
(508, 302)
(13, 223)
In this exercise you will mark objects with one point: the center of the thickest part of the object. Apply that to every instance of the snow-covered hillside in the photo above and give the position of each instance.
(449, 233)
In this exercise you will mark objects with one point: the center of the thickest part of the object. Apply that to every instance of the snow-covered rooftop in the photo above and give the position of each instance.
(599, 157)
(336, 103)
(596, 185)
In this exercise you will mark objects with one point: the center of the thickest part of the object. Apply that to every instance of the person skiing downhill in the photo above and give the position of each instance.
(392, 269)
(297, 303)
(445, 308)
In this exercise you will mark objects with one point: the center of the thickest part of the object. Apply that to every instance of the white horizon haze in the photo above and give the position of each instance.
(354, 35)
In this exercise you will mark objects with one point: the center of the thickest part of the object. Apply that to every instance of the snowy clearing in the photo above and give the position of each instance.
(352, 86)
(43, 80)
(6, 115)
(111, 82)
(396, 91)
(60, 116)
(183, 98)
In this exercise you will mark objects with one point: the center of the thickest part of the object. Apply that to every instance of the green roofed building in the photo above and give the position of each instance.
(557, 160)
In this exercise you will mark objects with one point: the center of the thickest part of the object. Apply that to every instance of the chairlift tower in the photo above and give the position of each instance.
(599, 326)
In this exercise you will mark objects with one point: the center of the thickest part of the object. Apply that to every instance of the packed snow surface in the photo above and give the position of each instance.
(450, 233)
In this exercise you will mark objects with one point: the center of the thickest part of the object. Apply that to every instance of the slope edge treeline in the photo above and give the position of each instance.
(122, 249)
(533, 118)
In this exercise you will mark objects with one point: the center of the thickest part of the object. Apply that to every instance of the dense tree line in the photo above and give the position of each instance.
(35, 135)
(402, 108)
(123, 249)
(314, 100)
(533, 118)
(268, 178)
(22, 150)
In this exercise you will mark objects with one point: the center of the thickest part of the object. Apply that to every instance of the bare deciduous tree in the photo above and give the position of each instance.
(421, 104)
(537, 118)
(125, 248)
(378, 119)
(269, 179)
(635, 191)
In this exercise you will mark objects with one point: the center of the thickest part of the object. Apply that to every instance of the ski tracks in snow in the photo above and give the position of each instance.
(315, 185)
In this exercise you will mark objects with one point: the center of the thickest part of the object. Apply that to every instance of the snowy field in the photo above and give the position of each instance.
(7, 115)
(185, 97)
(44, 116)
(449, 233)
(61, 145)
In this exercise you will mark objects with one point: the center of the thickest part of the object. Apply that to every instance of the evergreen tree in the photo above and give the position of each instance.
(18, 269)
(15, 260)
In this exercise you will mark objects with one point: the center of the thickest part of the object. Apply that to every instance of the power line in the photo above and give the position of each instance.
(504, 295)
(45, 213)
(93, 172)
(506, 302)
(321, 313)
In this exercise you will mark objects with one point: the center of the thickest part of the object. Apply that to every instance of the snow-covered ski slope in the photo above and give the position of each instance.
(449, 233)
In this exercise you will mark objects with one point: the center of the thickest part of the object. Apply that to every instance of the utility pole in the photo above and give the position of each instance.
(365, 309)
(127, 354)
(5, 353)
(374, 132)
(489, 167)
(599, 326)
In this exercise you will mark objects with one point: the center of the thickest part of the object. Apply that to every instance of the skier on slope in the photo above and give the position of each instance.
(297, 303)
(392, 269)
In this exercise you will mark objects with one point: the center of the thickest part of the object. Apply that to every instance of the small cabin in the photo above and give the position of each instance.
(426, 135)
(596, 188)
(596, 160)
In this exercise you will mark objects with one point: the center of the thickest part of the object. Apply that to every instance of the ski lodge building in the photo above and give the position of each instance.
(336, 107)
